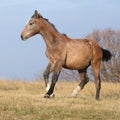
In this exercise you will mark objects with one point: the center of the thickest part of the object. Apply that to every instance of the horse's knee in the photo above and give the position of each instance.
(98, 83)
(45, 75)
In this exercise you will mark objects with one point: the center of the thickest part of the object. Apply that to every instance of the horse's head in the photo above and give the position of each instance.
(32, 27)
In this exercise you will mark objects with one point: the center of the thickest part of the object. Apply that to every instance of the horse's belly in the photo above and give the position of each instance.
(78, 61)
(77, 64)
(79, 55)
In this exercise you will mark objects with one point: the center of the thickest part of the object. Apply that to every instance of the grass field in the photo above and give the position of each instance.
(24, 101)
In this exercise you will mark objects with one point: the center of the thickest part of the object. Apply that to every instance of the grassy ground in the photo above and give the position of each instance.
(24, 101)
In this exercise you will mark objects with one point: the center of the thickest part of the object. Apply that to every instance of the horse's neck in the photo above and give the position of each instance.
(49, 33)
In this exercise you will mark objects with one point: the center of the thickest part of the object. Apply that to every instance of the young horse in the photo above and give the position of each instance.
(62, 51)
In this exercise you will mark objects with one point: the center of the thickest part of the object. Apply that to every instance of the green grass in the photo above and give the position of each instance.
(24, 101)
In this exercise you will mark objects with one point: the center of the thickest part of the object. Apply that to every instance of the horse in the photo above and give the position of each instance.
(64, 52)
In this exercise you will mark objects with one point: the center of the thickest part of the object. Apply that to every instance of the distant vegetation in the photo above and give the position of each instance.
(24, 101)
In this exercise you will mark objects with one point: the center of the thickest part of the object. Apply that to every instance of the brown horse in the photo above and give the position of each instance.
(62, 51)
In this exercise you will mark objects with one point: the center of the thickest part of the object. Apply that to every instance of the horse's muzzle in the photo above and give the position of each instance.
(22, 37)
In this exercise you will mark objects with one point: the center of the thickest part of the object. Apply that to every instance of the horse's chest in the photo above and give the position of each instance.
(52, 55)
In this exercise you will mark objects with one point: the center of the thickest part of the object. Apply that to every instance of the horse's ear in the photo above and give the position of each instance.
(36, 14)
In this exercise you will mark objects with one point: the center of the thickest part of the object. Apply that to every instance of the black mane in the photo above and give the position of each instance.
(50, 23)
(40, 16)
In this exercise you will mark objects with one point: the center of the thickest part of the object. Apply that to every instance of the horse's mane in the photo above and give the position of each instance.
(40, 16)
(50, 23)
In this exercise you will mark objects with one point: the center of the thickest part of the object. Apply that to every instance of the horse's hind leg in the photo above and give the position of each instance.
(84, 81)
(96, 70)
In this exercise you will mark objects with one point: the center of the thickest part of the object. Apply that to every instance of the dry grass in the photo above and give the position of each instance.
(24, 101)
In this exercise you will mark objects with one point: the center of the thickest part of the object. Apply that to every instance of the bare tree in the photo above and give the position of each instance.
(69, 75)
(109, 39)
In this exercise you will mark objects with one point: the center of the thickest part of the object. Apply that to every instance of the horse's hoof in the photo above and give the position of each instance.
(47, 96)
(52, 95)
(73, 96)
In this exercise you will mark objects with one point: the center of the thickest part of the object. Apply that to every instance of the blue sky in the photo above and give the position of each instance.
(76, 18)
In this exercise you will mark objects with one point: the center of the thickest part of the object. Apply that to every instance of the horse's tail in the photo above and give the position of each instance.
(106, 55)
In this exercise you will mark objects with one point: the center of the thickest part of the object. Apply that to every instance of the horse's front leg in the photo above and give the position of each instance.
(46, 73)
(56, 72)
